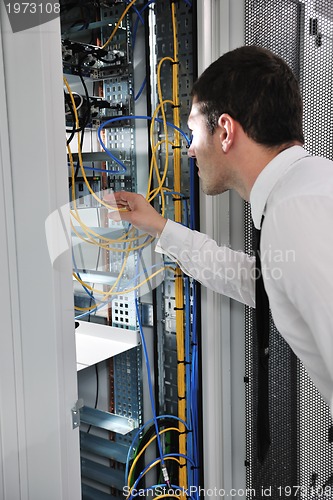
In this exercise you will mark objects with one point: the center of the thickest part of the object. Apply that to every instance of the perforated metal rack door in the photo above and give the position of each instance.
(301, 454)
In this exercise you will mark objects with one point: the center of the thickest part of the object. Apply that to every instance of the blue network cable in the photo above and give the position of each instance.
(85, 288)
(190, 387)
(187, 363)
(152, 400)
(136, 24)
(151, 395)
(119, 291)
(108, 152)
(136, 11)
(195, 385)
(141, 429)
(161, 488)
(142, 473)
(141, 89)
(192, 471)
(131, 117)
(194, 391)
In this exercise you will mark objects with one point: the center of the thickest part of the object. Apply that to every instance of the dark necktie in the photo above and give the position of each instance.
(262, 325)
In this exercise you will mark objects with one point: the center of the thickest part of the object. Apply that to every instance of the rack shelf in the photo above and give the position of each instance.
(95, 343)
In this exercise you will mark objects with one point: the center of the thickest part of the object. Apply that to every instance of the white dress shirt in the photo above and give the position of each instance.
(295, 194)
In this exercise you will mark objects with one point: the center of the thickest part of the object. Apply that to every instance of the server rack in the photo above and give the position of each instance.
(110, 88)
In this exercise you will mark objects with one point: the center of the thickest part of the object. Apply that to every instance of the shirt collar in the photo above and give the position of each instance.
(268, 177)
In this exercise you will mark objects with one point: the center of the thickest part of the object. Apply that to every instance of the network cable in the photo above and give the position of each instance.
(187, 374)
(151, 395)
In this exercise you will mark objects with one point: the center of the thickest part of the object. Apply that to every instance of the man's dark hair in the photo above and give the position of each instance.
(256, 88)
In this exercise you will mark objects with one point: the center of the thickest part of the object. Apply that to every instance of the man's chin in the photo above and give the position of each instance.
(212, 190)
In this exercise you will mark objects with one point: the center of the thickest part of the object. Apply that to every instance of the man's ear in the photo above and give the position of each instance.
(227, 131)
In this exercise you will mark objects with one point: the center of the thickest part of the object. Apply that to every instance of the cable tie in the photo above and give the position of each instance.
(174, 62)
(176, 105)
(181, 398)
(195, 467)
(178, 308)
(176, 147)
(193, 344)
(183, 362)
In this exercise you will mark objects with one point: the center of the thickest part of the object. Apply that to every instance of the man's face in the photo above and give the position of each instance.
(207, 151)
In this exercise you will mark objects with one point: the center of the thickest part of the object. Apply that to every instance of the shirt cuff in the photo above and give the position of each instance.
(172, 238)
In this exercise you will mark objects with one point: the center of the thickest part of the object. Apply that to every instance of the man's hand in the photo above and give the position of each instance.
(134, 208)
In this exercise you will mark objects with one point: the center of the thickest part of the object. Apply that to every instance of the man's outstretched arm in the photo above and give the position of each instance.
(221, 269)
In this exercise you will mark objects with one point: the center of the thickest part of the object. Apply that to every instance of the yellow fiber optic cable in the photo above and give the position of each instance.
(165, 268)
(179, 292)
(91, 236)
(118, 24)
(86, 229)
(166, 139)
(169, 495)
(109, 293)
(121, 240)
(106, 294)
(163, 431)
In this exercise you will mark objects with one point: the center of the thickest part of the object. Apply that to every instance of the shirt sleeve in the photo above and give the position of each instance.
(221, 269)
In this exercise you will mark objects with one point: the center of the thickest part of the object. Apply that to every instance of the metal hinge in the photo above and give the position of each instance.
(76, 413)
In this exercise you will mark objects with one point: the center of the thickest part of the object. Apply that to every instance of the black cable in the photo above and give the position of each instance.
(72, 132)
(87, 115)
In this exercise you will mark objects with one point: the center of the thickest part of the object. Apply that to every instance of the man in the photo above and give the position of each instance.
(246, 121)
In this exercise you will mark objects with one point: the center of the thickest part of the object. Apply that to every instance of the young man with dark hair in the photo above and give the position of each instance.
(246, 121)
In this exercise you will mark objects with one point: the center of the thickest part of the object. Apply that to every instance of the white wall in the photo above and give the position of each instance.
(39, 451)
